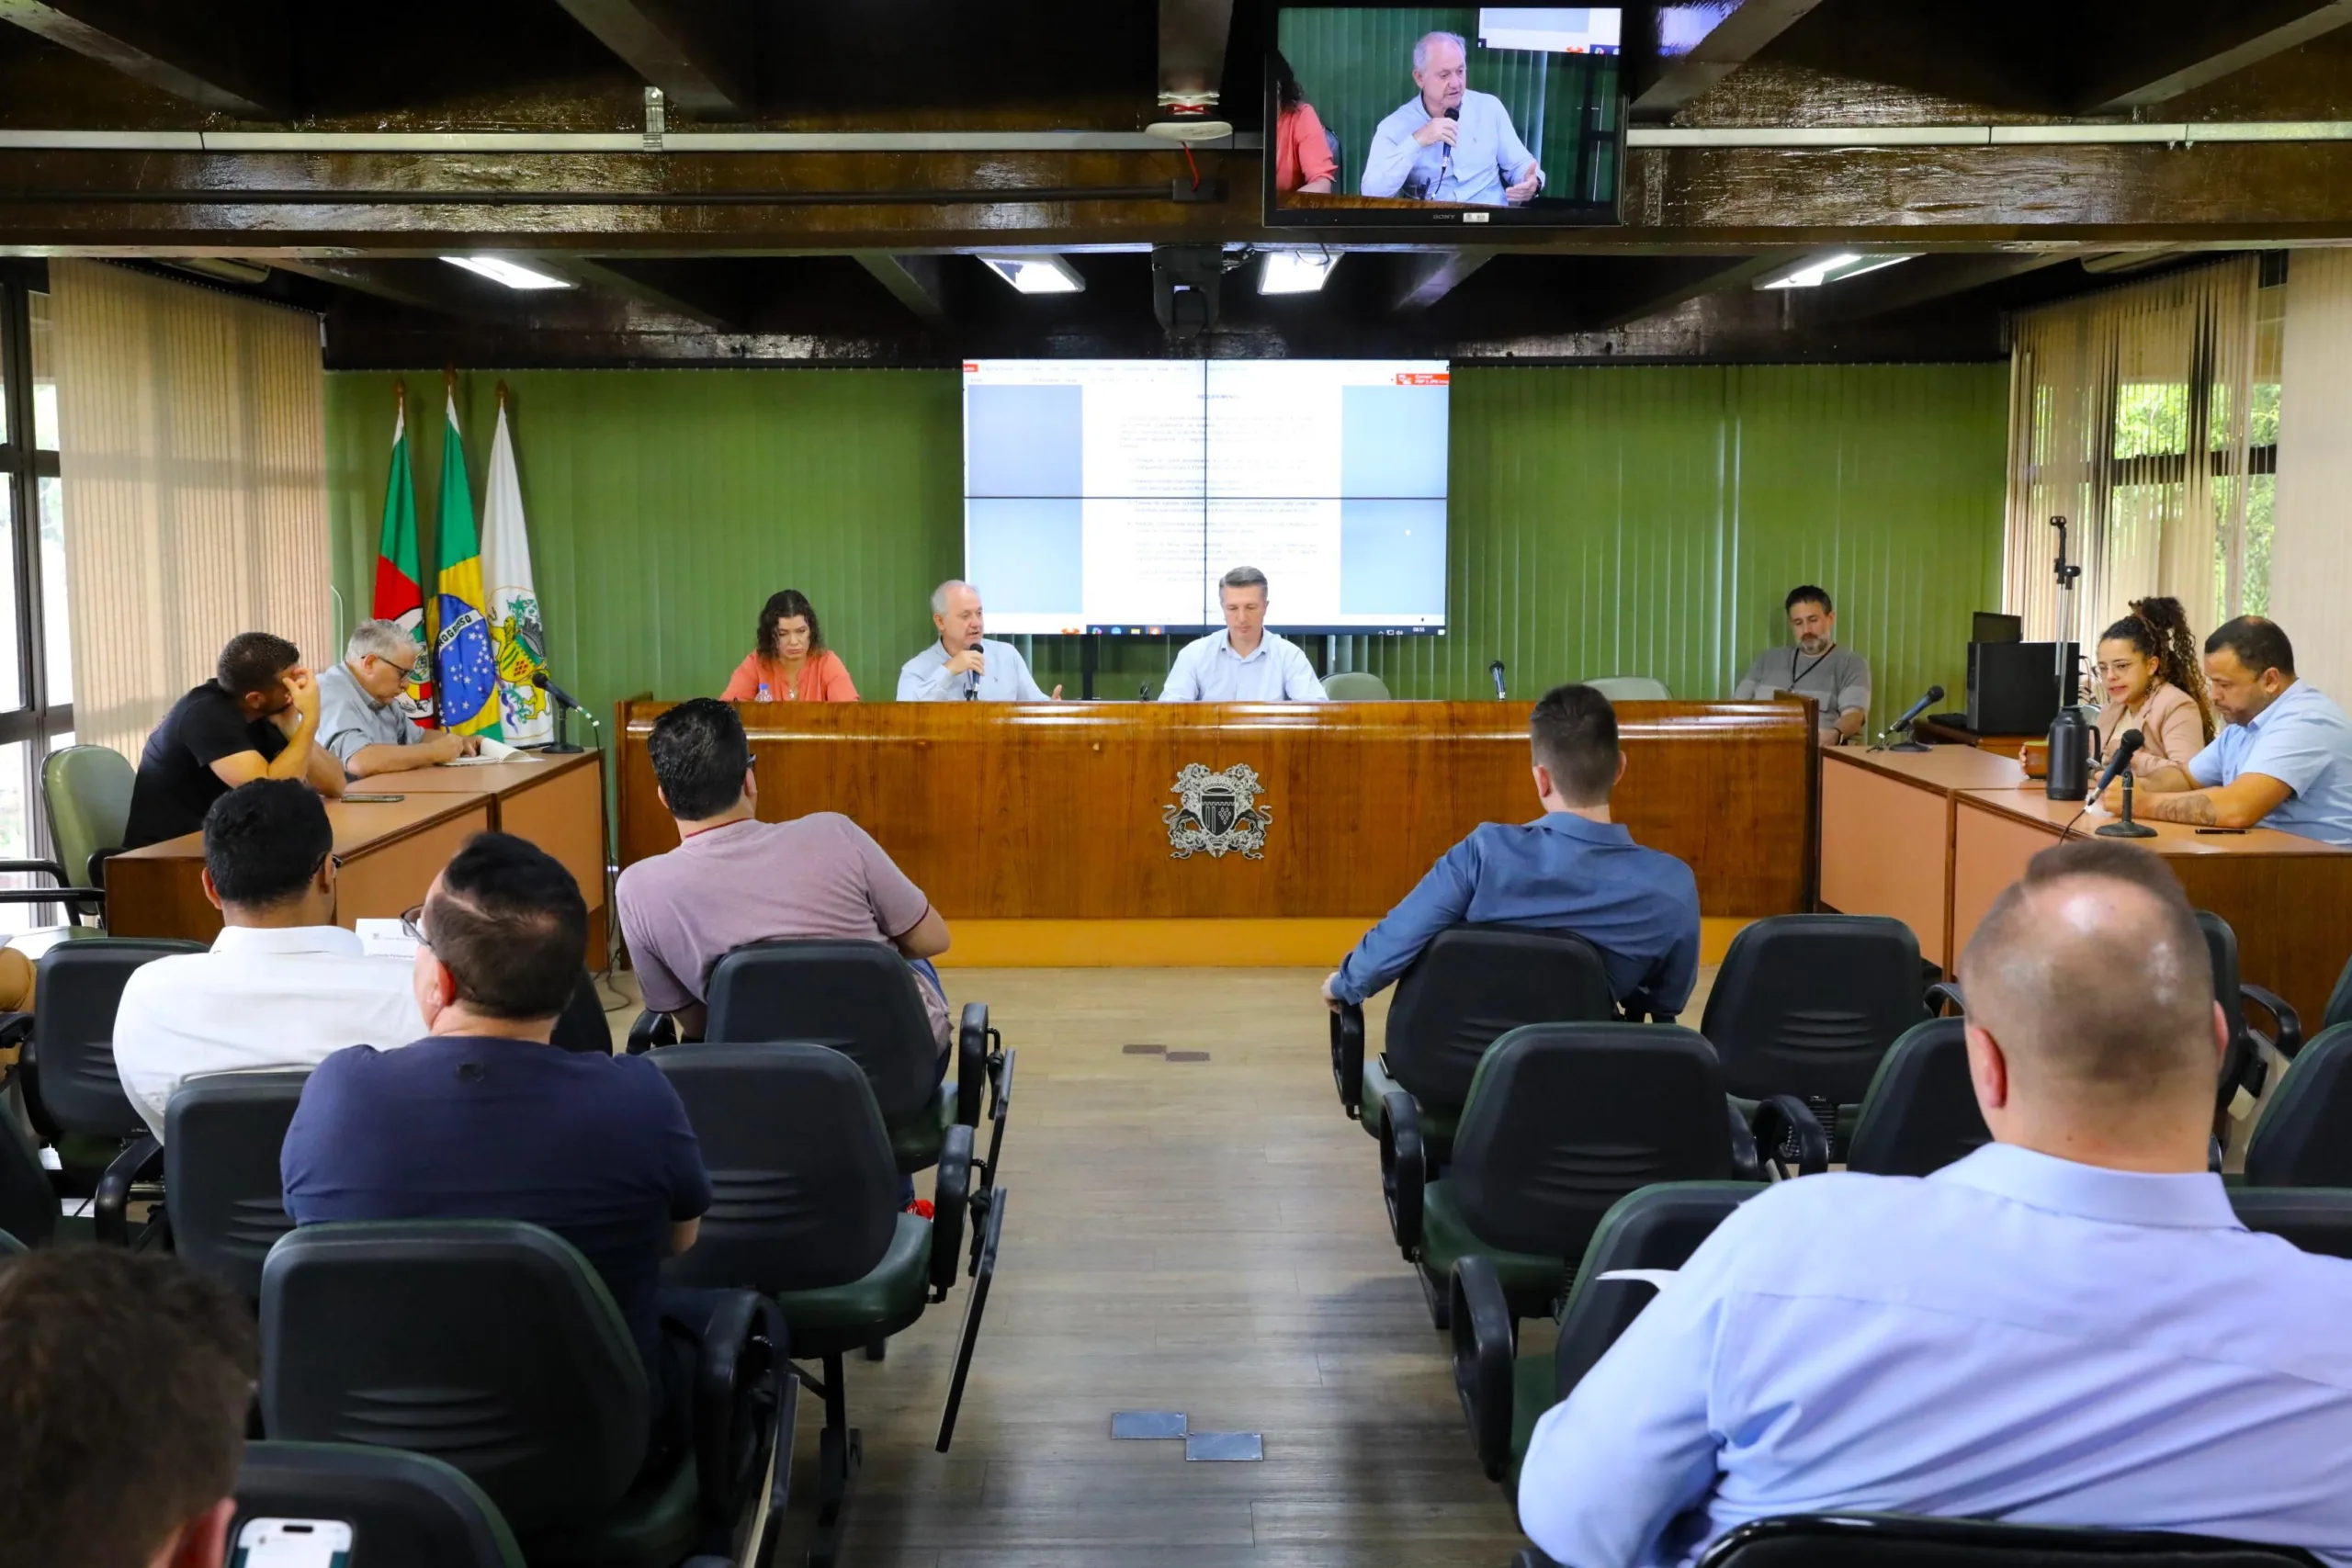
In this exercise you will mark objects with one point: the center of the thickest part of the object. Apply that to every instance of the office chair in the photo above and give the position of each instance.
(2246, 1063)
(493, 1347)
(2339, 1001)
(805, 1210)
(2304, 1136)
(2317, 1219)
(1562, 1121)
(28, 1198)
(405, 1510)
(1355, 686)
(581, 1026)
(85, 793)
(1919, 1115)
(1630, 688)
(223, 1196)
(1907, 1540)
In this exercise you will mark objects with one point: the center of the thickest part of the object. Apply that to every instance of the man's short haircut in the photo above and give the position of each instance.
(265, 841)
(1421, 47)
(2259, 644)
(939, 594)
(1573, 731)
(1242, 577)
(253, 662)
(386, 641)
(2112, 1009)
(511, 925)
(122, 1417)
(1807, 594)
(699, 755)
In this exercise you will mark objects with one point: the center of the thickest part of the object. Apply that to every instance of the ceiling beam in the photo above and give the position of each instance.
(605, 278)
(916, 282)
(1921, 280)
(235, 58)
(1656, 301)
(401, 283)
(699, 52)
(2163, 58)
(1709, 40)
(1430, 276)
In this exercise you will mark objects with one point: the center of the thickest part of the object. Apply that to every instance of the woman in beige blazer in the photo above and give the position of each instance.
(2148, 668)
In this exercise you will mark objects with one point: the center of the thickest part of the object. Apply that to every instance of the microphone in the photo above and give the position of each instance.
(564, 698)
(1446, 157)
(1903, 725)
(1495, 673)
(2130, 742)
(972, 685)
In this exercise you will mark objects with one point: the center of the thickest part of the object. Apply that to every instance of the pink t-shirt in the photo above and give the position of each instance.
(819, 875)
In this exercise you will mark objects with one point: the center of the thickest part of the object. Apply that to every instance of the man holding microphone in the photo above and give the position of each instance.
(963, 666)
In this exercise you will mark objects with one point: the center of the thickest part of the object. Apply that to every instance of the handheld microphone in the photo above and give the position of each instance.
(972, 685)
(562, 698)
(1495, 671)
(1445, 154)
(2130, 742)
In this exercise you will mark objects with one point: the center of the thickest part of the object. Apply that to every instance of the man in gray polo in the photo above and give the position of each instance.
(358, 720)
(1839, 678)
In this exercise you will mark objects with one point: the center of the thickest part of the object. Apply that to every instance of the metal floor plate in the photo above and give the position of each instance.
(1225, 1448)
(1146, 1424)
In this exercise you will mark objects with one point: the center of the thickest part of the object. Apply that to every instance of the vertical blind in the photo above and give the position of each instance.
(193, 450)
(2313, 554)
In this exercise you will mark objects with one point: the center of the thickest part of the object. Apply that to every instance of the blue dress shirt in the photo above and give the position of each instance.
(1209, 670)
(1639, 907)
(1487, 156)
(2304, 741)
(2016, 1337)
(924, 678)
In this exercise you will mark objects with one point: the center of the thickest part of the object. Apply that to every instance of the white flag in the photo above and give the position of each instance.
(516, 630)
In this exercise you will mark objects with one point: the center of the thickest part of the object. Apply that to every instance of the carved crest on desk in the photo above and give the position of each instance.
(1216, 814)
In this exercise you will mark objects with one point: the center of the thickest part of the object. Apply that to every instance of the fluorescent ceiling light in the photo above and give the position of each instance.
(1294, 272)
(509, 272)
(1036, 275)
(1835, 267)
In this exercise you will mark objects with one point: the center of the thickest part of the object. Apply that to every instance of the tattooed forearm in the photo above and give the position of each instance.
(2196, 810)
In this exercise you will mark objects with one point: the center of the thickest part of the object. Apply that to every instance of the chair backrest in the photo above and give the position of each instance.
(1355, 686)
(1657, 1227)
(581, 1026)
(2317, 1219)
(75, 996)
(2339, 1001)
(86, 793)
(804, 1192)
(222, 1134)
(1630, 688)
(488, 1344)
(28, 1202)
(1920, 1113)
(2304, 1138)
(1904, 1541)
(1807, 1004)
(857, 996)
(2221, 947)
(405, 1510)
(1472, 985)
(1565, 1118)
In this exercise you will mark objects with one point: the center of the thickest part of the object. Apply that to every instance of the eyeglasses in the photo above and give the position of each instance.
(412, 925)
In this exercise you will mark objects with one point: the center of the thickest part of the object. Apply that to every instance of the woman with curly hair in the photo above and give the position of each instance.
(790, 662)
(2148, 668)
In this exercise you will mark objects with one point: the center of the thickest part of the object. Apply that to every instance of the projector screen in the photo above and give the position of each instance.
(1109, 495)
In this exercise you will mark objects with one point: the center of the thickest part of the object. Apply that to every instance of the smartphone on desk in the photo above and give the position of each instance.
(292, 1543)
(374, 799)
(2200, 832)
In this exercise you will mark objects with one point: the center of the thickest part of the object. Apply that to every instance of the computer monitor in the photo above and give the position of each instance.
(1991, 626)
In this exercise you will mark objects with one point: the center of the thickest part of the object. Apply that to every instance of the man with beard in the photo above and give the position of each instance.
(1839, 678)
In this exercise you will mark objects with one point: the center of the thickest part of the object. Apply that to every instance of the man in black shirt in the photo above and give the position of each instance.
(256, 719)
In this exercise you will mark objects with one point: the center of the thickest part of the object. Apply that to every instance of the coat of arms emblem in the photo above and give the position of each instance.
(1216, 813)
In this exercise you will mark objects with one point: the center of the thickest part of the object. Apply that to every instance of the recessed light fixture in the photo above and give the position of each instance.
(1294, 272)
(509, 272)
(1835, 267)
(1036, 275)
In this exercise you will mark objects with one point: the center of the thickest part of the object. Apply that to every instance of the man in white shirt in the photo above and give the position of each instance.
(284, 986)
(963, 666)
(1448, 143)
(1245, 663)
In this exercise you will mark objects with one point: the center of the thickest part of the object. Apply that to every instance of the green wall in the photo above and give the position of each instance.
(1606, 520)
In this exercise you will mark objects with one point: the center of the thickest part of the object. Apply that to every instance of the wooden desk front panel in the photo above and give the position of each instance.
(1886, 850)
(558, 803)
(1055, 812)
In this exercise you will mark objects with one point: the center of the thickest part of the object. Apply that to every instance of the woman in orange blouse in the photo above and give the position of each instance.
(791, 663)
(1302, 154)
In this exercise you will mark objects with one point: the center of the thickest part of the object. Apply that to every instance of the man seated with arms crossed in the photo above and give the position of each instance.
(962, 665)
(485, 1120)
(360, 721)
(1569, 870)
(1245, 663)
(1816, 667)
(123, 1424)
(2067, 1328)
(284, 986)
(2283, 758)
(258, 718)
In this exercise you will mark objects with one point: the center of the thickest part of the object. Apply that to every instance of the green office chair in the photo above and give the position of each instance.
(1355, 686)
(1630, 688)
(87, 791)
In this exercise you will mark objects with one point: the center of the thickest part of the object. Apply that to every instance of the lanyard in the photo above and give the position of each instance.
(1795, 675)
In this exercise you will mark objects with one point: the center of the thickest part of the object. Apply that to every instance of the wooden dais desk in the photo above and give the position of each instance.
(558, 803)
(1960, 735)
(1887, 834)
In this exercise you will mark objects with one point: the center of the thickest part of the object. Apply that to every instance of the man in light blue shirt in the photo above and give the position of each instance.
(2283, 758)
(1569, 870)
(1245, 663)
(2070, 1327)
(963, 666)
(1449, 143)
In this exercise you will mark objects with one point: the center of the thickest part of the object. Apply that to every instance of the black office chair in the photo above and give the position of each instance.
(581, 1026)
(1907, 1541)
(1563, 1120)
(2339, 1001)
(1470, 986)
(223, 1135)
(2304, 1138)
(805, 1209)
(28, 1198)
(2246, 1063)
(405, 1510)
(2317, 1219)
(493, 1347)
(1919, 1115)
(1504, 1393)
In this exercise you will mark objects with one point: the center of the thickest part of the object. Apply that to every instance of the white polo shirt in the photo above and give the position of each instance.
(262, 998)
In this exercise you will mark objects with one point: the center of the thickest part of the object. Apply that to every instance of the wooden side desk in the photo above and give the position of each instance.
(2287, 898)
(558, 803)
(1886, 832)
(390, 854)
(1960, 735)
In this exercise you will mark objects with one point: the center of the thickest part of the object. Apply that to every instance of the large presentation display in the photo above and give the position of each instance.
(1110, 496)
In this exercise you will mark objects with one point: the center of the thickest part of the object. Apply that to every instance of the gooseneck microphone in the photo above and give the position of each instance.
(560, 747)
(2126, 744)
(562, 698)
(1495, 674)
(2123, 827)
(1903, 725)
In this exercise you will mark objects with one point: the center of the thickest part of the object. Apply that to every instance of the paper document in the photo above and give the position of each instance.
(383, 938)
(491, 752)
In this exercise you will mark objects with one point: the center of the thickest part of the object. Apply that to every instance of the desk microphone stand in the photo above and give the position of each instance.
(1910, 741)
(2123, 827)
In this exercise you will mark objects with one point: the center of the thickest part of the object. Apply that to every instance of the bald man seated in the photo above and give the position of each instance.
(2067, 1328)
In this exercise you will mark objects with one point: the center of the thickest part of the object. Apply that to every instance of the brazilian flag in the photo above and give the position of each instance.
(462, 650)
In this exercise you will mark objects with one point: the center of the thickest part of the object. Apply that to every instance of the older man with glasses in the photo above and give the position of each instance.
(360, 719)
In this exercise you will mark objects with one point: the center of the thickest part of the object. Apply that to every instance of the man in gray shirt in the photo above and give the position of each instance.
(1839, 678)
(360, 721)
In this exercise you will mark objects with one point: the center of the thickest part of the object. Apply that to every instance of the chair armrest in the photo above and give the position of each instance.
(15, 1030)
(971, 1062)
(1783, 1118)
(651, 1029)
(1745, 1164)
(1944, 991)
(50, 868)
(1483, 1352)
(1347, 1057)
(951, 1201)
(1403, 1171)
(2287, 1024)
(740, 1387)
(140, 1160)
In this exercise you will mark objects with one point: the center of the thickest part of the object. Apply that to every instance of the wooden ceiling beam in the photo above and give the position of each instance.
(916, 282)
(1709, 40)
(1430, 277)
(235, 58)
(1920, 281)
(701, 53)
(2159, 56)
(1683, 285)
(606, 278)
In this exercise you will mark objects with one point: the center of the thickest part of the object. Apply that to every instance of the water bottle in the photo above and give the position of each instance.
(2070, 755)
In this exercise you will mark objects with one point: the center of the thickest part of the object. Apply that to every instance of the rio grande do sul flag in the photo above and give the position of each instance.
(399, 593)
(467, 667)
(517, 637)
